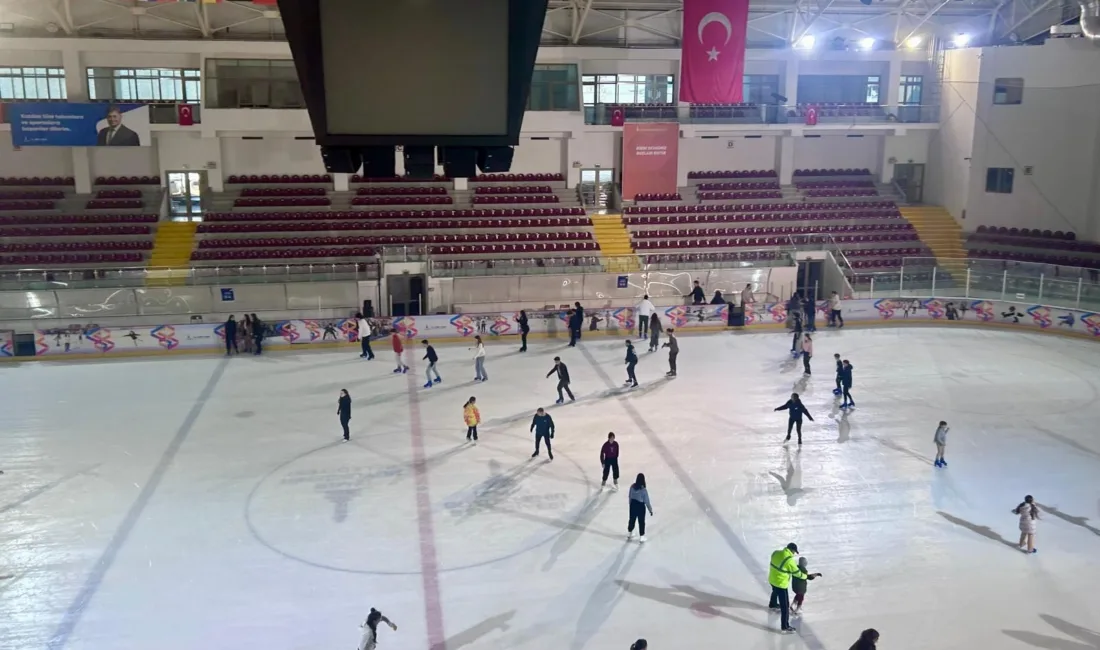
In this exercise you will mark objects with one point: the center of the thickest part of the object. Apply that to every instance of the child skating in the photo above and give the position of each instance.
(941, 443)
(472, 417)
(609, 459)
(798, 586)
(846, 386)
(839, 370)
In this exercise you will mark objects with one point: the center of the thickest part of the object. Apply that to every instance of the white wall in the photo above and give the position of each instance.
(950, 150)
(271, 155)
(540, 156)
(177, 152)
(603, 148)
(34, 161)
(725, 153)
(831, 152)
(909, 148)
(123, 161)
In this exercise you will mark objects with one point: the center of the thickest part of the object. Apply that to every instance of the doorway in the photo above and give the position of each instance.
(910, 178)
(185, 195)
(595, 187)
(407, 294)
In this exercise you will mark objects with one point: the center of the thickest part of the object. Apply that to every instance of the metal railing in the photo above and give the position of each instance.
(855, 114)
(107, 277)
(664, 261)
(983, 279)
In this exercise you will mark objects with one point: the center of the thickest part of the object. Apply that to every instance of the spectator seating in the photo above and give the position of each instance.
(20, 206)
(31, 181)
(114, 204)
(832, 185)
(283, 191)
(517, 178)
(126, 180)
(31, 195)
(724, 111)
(295, 201)
(658, 197)
(521, 224)
(722, 175)
(832, 172)
(356, 178)
(118, 194)
(402, 200)
(762, 217)
(283, 179)
(648, 111)
(513, 189)
(74, 231)
(412, 216)
(54, 219)
(739, 196)
(509, 199)
(1033, 245)
(751, 185)
(1035, 257)
(798, 206)
(841, 193)
(400, 191)
(71, 259)
(834, 109)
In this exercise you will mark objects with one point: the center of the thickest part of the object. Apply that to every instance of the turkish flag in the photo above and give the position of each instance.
(618, 118)
(712, 55)
(811, 116)
(185, 115)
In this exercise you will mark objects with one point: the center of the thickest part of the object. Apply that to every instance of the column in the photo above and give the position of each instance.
(784, 164)
(77, 91)
(790, 79)
(893, 83)
(340, 182)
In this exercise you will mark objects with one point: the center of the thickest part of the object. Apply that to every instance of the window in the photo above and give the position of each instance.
(627, 89)
(998, 180)
(910, 90)
(871, 96)
(759, 88)
(553, 88)
(32, 83)
(144, 85)
(1008, 90)
(252, 83)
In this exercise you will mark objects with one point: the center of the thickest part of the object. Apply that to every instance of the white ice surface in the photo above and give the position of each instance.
(263, 531)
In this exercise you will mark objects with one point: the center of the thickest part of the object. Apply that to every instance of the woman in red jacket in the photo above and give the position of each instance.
(398, 350)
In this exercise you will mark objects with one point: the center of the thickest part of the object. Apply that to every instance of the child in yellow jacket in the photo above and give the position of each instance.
(472, 417)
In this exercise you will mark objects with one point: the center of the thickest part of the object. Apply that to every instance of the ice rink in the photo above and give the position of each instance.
(207, 504)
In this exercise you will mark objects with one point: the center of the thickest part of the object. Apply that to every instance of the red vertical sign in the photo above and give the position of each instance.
(650, 153)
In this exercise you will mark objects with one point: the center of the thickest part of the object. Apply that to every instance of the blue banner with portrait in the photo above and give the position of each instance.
(79, 125)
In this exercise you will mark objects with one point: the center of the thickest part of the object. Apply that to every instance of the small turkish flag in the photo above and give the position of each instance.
(618, 118)
(185, 115)
(811, 116)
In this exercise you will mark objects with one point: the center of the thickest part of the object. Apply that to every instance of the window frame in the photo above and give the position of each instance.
(999, 180)
(554, 90)
(905, 89)
(873, 89)
(146, 85)
(646, 89)
(1008, 89)
(278, 88)
(46, 83)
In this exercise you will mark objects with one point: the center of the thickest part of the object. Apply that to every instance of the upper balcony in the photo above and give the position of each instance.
(751, 114)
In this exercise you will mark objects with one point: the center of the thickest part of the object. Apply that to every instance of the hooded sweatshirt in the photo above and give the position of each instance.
(642, 496)
(398, 346)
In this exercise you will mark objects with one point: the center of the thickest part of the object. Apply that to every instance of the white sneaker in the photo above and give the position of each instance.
(629, 535)
(642, 539)
(615, 487)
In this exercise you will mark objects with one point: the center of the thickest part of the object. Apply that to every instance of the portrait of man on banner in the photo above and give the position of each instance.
(114, 133)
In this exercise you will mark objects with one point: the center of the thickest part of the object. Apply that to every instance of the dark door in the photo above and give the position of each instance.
(910, 178)
(407, 294)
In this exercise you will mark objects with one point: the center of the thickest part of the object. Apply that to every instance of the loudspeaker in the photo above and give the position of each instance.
(494, 160)
(459, 162)
(379, 162)
(341, 160)
(368, 309)
(420, 162)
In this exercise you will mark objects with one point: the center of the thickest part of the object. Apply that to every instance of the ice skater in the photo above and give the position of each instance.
(654, 331)
(398, 353)
(807, 352)
(868, 640)
(343, 409)
(543, 426)
(472, 416)
(563, 380)
(631, 362)
(365, 331)
(673, 351)
(798, 586)
(795, 410)
(370, 629)
(642, 312)
(479, 360)
(524, 329)
(836, 318)
(639, 504)
(576, 322)
(846, 386)
(432, 358)
(640, 644)
(839, 371)
(795, 319)
(230, 332)
(609, 459)
(782, 569)
(1029, 514)
(940, 438)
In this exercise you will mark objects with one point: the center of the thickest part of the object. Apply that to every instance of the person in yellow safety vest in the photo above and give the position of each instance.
(783, 568)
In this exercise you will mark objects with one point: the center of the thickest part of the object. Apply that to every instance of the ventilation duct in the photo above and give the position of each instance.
(1090, 19)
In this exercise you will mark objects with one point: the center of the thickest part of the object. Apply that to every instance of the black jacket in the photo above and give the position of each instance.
(523, 326)
(543, 424)
(631, 355)
(673, 345)
(846, 376)
(563, 373)
(796, 410)
(430, 355)
(839, 368)
(344, 407)
(697, 296)
(230, 330)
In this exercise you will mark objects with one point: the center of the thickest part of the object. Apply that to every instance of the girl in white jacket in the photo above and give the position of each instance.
(479, 361)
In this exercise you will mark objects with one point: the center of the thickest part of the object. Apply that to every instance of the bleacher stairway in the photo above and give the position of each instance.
(614, 241)
(939, 231)
(172, 247)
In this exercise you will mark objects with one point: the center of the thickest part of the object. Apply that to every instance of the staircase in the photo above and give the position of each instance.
(939, 231)
(171, 257)
(614, 241)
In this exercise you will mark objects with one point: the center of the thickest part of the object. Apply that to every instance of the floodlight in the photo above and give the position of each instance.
(913, 42)
(961, 40)
(866, 43)
(806, 42)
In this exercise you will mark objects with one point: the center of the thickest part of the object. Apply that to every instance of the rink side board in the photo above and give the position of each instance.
(93, 341)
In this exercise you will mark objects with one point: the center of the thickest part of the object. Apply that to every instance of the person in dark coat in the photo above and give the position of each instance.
(432, 358)
(718, 299)
(795, 410)
(524, 329)
(809, 308)
(845, 375)
(343, 409)
(230, 331)
(795, 320)
(543, 426)
(697, 296)
(839, 371)
(868, 640)
(258, 328)
(576, 322)
(563, 380)
(631, 362)
(654, 331)
(609, 460)
(673, 351)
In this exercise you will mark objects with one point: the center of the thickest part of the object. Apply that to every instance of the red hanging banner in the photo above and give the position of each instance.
(712, 56)
(650, 158)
